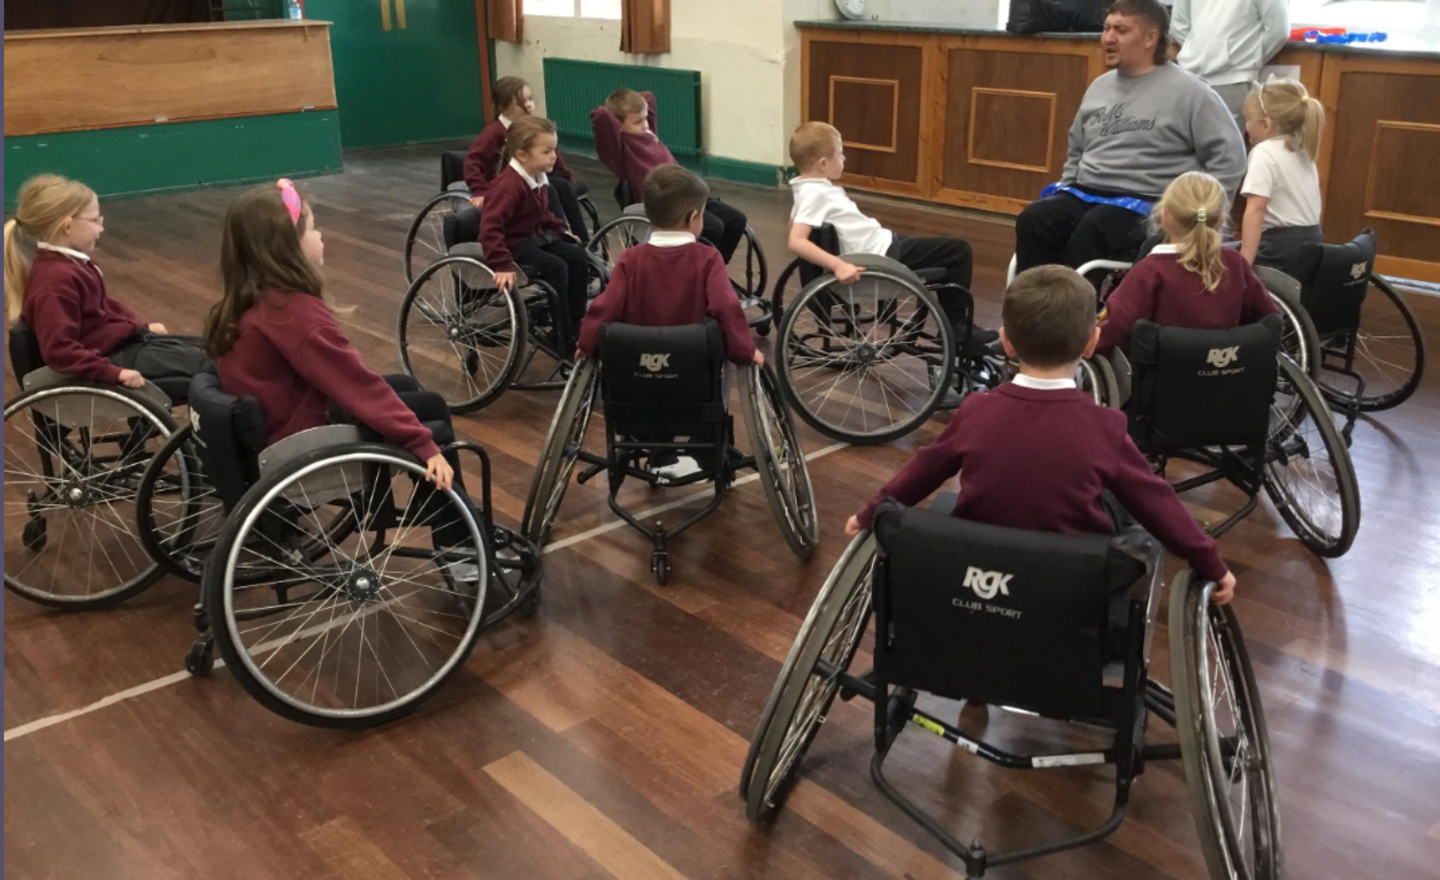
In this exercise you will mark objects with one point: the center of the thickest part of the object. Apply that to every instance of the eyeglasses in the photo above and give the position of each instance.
(97, 220)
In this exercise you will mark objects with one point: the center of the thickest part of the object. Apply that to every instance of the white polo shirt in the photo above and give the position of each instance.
(1288, 179)
(818, 201)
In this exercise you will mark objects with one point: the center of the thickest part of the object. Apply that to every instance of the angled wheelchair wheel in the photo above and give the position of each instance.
(558, 455)
(1224, 745)
(425, 242)
(353, 632)
(865, 362)
(780, 459)
(1378, 366)
(1096, 378)
(1298, 340)
(808, 680)
(1308, 472)
(618, 236)
(750, 276)
(177, 510)
(592, 215)
(459, 336)
(787, 287)
(74, 456)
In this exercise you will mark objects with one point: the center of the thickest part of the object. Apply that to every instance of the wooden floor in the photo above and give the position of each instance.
(605, 738)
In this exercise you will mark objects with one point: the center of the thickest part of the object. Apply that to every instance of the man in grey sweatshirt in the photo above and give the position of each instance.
(1140, 125)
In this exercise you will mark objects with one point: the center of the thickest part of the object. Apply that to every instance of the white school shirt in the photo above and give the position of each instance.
(1038, 384)
(818, 201)
(1288, 179)
(534, 182)
(69, 252)
(664, 238)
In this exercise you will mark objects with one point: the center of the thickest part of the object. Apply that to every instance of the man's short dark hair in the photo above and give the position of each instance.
(1049, 314)
(671, 193)
(1155, 14)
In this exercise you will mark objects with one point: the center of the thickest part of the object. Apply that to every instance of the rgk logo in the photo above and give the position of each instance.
(1220, 358)
(654, 362)
(1357, 271)
(987, 584)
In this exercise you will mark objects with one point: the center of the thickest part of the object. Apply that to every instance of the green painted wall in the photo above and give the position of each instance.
(719, 167)
(180, 155)
(411, 85)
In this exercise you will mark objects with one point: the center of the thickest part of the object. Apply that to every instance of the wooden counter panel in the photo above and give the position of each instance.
(90, 80)
(872, 94)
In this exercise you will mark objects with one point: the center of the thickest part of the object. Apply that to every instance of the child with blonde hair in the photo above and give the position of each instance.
(53, 284)
(1282, 187)
(1191, 280)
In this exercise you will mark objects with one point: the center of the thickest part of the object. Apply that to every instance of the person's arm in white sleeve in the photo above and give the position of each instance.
(1274, 26)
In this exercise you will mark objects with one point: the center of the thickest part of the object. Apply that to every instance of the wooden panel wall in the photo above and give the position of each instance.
(59, 81)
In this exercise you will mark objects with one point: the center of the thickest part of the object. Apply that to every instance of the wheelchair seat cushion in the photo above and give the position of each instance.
(1194, 388)
(1006, 616)
(25, 354)
(662, 376)
(1335, 292)
(231, 431)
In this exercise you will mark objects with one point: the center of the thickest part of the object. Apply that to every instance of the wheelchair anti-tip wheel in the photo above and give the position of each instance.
(74, 456)
(177, 510)
(1386, 352)
(425, 242)
(558, 455)
(807, 684)
(1308, 471)
(865, 362)
(1224, 745)
(368, 627)
(779, 459)
(460, 336)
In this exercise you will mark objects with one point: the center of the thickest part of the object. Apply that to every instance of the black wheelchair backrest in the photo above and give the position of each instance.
(662, 376)
(1195, 388)
(460, 227)
(231, 431)
(452, 168)
(828, 240)
(1007, 616)
(25, 354)
(1335, 292)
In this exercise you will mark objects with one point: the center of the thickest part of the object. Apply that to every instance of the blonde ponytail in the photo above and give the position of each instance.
(1196, 204)
(1314, 125)
(43, 204)
(1297, 116)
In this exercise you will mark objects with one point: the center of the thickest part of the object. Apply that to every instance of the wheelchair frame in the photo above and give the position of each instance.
(452, 171)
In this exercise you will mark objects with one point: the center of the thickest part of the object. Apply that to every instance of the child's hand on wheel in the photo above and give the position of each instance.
(439, 472)
(157, 327)
(847, 273)
(1224, 590)
(852, 527)
(504, 280)
(759, 358)
(131, 379)
(477, 201)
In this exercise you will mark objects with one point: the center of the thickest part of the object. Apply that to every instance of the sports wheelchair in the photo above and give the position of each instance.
(340, 594)
(659, 384)
(632, 228)
(75, 453)
(1232, 402)
(463, 338)
(1053, 625)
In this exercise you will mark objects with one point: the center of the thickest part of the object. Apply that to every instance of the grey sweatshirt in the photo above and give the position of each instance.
(1135, 134)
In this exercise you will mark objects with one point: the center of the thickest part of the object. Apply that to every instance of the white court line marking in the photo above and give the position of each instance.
(177, 677)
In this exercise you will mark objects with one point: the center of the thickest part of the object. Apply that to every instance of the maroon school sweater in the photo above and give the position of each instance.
(629, 156)
(1159, 289)
(75, 320)
(293, 357)
(484, 157)
(667, 287)
(513, 212)
(1034, 459)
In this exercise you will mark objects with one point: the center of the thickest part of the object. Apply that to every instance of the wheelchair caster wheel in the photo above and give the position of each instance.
(764, 329)
(33, 536)
(201, 659)
(660, 565)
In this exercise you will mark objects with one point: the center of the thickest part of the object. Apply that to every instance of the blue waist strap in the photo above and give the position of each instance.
(1129, 203)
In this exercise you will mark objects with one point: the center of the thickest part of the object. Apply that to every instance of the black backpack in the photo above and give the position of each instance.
(1063, 16)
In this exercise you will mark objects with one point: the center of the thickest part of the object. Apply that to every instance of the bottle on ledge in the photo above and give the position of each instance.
(293, 10)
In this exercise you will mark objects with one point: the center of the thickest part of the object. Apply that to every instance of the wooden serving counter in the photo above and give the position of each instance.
(980, 119)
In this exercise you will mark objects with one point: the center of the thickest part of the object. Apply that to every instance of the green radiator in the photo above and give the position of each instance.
(574, 88)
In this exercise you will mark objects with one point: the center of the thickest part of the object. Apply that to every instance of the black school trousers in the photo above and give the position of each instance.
(1069, 231)
(563, 265)
(954, 255)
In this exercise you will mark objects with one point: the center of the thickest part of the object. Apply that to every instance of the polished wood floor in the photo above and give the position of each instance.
(604, 739)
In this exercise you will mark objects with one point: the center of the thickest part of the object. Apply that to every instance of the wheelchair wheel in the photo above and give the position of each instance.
(750, 276)
(558, 455)
(1308, 472)
(1387, 353)
(618, 236)
(353, 632)
(1096, 378)
(74, 456)
(425, 242)
(1298, 341)
(808, 681)
(865, 362)
(780, 459)
(177, 511)
(787, 286)
(1224, 745)
(459, 336)
(592, 215)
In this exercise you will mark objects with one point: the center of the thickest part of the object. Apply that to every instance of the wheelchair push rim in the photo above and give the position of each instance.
(780, 460)
(461, 337)
(74, 458)
(1224, 744)
(425, 241)
(178, 512)
(367, 628)
(802, 695)
(1308, 472)
(560, 452)
(1386, 351)
(866, 362)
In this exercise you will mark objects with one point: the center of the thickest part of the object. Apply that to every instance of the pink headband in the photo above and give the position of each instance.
(291, 197)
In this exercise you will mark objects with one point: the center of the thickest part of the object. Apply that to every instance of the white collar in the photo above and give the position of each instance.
(1166, 248)
(1025, 381)
(63, 250)
(525, 175)
(505, 120)
(819, 181)
(662, 238)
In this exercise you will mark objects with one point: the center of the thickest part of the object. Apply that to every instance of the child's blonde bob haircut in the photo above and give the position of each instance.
(812, 142)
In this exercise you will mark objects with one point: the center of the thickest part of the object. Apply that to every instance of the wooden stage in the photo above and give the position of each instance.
(605, 738)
